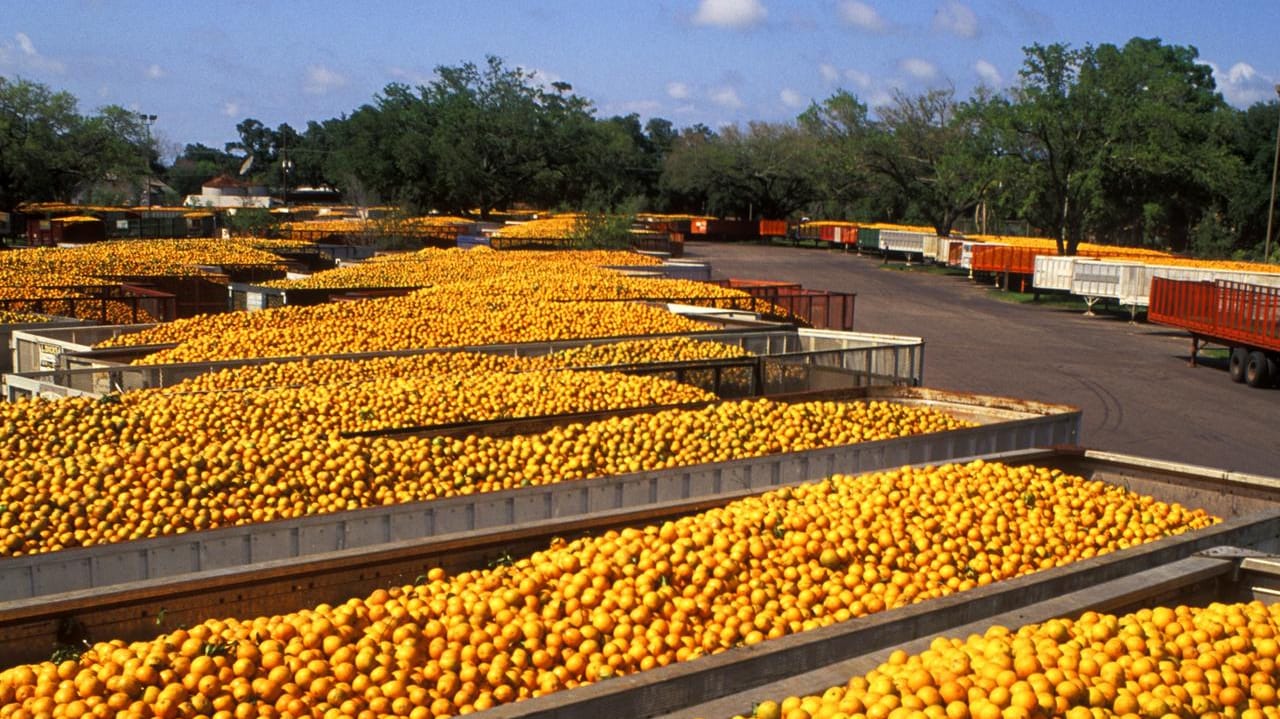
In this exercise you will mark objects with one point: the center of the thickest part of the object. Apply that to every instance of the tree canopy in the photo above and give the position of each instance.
(49, 151)
(1123, 143)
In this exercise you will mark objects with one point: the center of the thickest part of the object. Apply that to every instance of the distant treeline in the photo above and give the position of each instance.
(1127, 145)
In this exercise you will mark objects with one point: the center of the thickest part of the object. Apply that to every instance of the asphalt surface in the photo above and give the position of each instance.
(1133, 381)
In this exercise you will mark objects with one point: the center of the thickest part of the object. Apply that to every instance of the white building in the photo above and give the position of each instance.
(224, 191)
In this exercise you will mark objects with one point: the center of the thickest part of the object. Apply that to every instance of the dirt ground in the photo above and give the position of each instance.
(1133, 382)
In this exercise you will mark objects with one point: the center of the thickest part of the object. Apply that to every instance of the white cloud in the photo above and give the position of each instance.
(1242, 85)
(860, 79)
(829, 72)
(791, 98)
(956, 18)
(155, 72)
(726, 97)
(737, 14)
(988, 74)
(918, 68)
(22, 54)
(24, 43)
(862, 16)
(677, 91)
(231, 108)
(544, 78)
(321, 80)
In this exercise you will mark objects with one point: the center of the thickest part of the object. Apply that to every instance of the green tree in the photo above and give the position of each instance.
(576, 156)
(1252, 139)
(250, 222)
(309, 155)
(1165, 155)
(941, 154)
(842, 128)
(1119, 143)
(684, 185)
(196, 165)
(605, 228)
(767, 170)
(115, 147)
(257, 141)
(35, 155)
(494, 142)
(1054, 126)
(382, 152)
(48, 151)
(613, 163)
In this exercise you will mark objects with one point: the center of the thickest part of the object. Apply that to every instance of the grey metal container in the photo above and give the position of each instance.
(347, 253)
(1248, 505)
(895, 359)
(1004, 425)
(8, 361)
(669, 269)
(42, 347)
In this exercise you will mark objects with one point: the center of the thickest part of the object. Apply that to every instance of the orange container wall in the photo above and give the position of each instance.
(1013, 260)
(773, 228)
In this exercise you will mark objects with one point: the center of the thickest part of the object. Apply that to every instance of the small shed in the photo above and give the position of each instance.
(200, 223)
(77, 229)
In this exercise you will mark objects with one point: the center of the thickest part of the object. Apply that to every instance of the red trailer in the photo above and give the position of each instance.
(843, 234)
(1242, 317)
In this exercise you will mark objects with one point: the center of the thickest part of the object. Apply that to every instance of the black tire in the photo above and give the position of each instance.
(1236, 365)
(1257, 371)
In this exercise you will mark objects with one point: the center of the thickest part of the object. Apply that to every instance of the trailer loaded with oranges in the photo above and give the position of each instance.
(780, 574)
(564, 532)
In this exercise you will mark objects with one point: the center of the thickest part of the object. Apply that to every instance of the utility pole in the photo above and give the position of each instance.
(285, 166)
(1271, 208)
(147, 120)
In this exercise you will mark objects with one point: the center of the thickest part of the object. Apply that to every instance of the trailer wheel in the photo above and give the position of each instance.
(1256, 373)
(1236, 365)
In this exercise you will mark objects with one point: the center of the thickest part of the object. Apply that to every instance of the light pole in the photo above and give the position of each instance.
(1271, 208)
(147, 120)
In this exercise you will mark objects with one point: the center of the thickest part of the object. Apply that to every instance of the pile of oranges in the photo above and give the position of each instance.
(1213, 661)
(25, 301)
(433, 317)
(468, 298)
(43, 266)
(415, 401)
(13, 317)
(629, 600)
(320, 372)
(78, 472)
(434, 266)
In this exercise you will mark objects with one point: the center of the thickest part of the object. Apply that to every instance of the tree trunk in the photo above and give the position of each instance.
(1064, 247)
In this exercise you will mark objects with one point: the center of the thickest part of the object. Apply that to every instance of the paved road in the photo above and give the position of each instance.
(1138, 394)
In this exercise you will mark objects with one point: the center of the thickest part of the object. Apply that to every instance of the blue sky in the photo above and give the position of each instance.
(203, 67)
